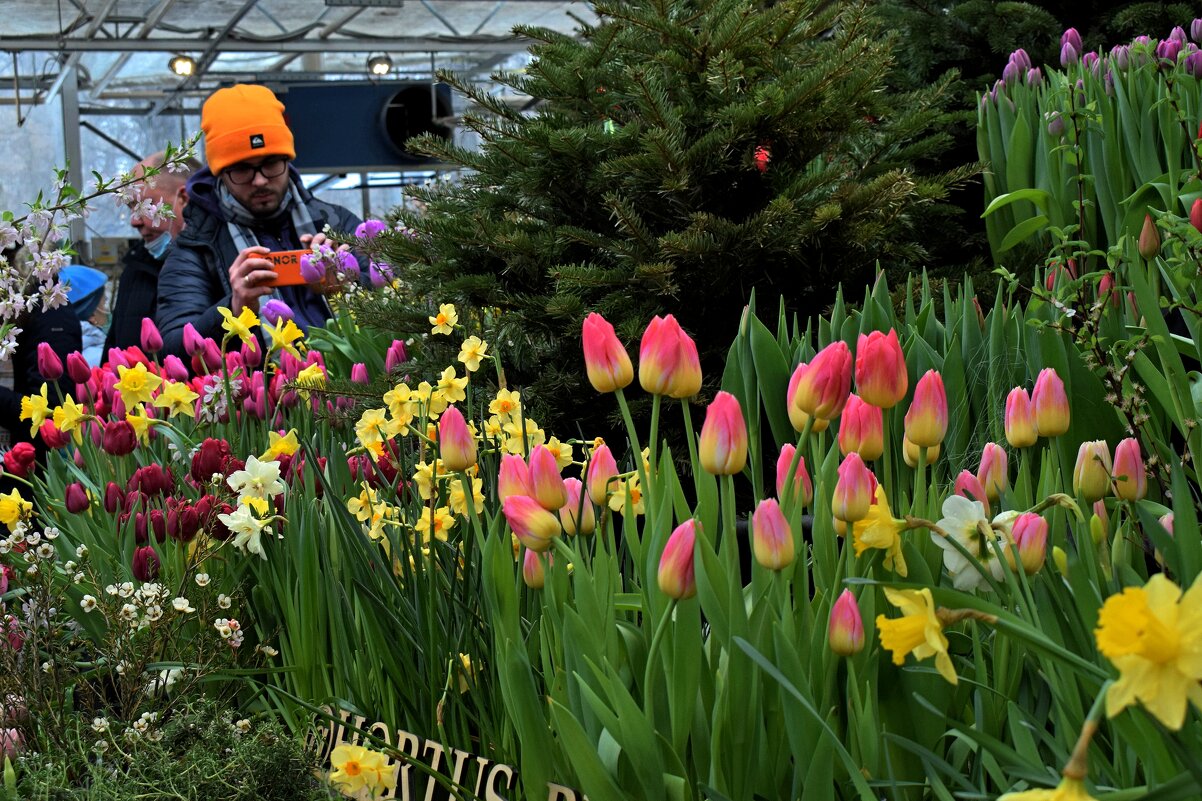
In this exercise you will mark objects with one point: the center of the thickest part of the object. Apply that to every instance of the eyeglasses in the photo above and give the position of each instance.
(245, 173)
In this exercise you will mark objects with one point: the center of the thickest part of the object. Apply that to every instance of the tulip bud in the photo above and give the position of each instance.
(796, 416)
(545, 481)
(396, 356)
(20, 460)
(174, 369)
(145, 563)
(1166, 522)
(910, 452)
(1130, 476)
(854, 490)
(994, 471)
(722, 446)
(825, 383)
(602, 468)
(802, 487)
(676, 577)
(1091, 475)
(1069, 55)
(152, 340)
(1073, 38)
(605, 359)
(1020, 419)
(50, 435)
(772, 538)
(49, 363)
(861, 429)
(119, 438)
(668, 361)
(533, 573)
(1149, 239)
(456, 445)
(12, 741)
(1195, 214)
(158, 524)
(533, 525)
(577, 515)
(1030, 534)
(1060, 559)
(926, 419)
(970, 487)
(881, 376)
(114, 497)
(77, 368)
(1050, 404)
(359, 373)
(77, 498)
(513, 478)
(194, 343)
(846, 631)
(1103, 516)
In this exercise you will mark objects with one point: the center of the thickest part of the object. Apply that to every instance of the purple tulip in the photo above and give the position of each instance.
(275, 310)
(1021, 58)
(175, 369)
(1178, 35)
(1071, 37)
(1193, 63)
(1012, 73)
(369, 229)
(347, 262)
(1091, 60)
(1034, 77)
(1168, 50)
(1069, 55)
(193, 342)
(312, 269)
(1195, 30)
(1120, 56)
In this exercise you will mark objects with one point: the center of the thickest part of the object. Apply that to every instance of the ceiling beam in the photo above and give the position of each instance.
(325, 33)
(408, 44)
(68, 69)
(152, 19)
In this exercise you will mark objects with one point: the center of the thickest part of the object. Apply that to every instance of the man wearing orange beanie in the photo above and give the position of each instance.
(247, 202)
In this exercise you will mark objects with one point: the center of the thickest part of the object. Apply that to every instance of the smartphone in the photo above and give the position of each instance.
(287, 267)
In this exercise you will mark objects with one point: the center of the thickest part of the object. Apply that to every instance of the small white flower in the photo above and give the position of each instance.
(121, 668)
(78, 578)
(129, 611)
(223, 628)
(154, 612)
(111, 589)
(33, 539)
(17, 537)
(32, 570)
(100, 746)
(202, 579)
(81, 551)
(46, 550)
(127, 589)
(88, 603)
(242, 727)
(181, 605)
(47, 666)
(267, 650)
(51, 532)
(155, 735)
(69, 565)
(100, 725)
(224, 601)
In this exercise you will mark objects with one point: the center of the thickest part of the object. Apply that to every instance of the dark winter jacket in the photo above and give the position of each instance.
(136, 298)
(58, 327)
(195, 279)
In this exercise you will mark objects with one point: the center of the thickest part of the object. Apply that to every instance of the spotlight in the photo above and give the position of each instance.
(182, 66)
(379, 65)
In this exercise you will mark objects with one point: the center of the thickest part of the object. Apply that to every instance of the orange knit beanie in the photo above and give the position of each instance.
(244, 122)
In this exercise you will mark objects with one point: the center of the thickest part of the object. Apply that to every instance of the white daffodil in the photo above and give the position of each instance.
(257, 483)
(964, 521)
(247, 530)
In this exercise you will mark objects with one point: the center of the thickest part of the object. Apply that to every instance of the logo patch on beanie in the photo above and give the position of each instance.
(257, 141)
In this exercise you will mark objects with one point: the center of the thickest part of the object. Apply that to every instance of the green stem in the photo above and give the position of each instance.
(920, 482)
(660, 629)
(634, 437)
(791, 488)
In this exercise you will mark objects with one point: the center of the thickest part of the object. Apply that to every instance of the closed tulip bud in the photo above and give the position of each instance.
(50, 435)
(994, 472)
(861, 429)
(577, 515)
(676, 577)
(1050, 404)
(359, 374)
(12, 741)
(194, 343)
(910, 452)
(854, 490)
(1073, 38)
(1034, 77)
(77, 498)
(1130, 475)
(1060, 559)
(174, 369)
(78, 368)
(1100, 512)
(1020, 419)
(1091, 475)
(1149, 239)
(602, 468)
(145, 563)
(396, 356)
(456, 445)
(846, 631)
(158, 524)
(1166, 522)
(926, 419)
(970, 487)
(668, 362)
(722, 446)
(114, 497)
(119, 438)
(1030, 534)
(533, 525)
(152, 340)
(797, 417)
(771, 536)
(1168, 51)
(545, 482)
(20, 460)
(825, 383)
(802, 487)
(881, 377)
(1106, 292)
(514, 477)
(533, 572)
(1069, 55)
(49, 364)
(605, 359)
(1195, 214)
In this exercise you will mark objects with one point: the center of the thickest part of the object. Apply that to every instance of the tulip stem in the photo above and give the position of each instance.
(656, 403)
(632, 432)
(660, 628)
(792, 489)
(886, 454)
(920, 483)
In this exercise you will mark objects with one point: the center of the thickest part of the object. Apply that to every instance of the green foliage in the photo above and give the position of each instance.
(634, 189)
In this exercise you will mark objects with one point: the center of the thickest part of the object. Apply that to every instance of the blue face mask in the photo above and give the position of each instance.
(158, 246)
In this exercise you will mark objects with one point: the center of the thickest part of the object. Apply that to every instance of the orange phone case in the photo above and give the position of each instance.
(287, 267)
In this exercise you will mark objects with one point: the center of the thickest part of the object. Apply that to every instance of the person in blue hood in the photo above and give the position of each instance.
(85, 293)
(246, 203)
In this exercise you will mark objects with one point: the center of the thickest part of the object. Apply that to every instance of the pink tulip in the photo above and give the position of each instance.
(881, 377)
(846, 630)
(994, 472)
(533, 573)
(49, 363)
(823, 387)
(803, 487)
(193, 341)
(1130, 475)
(12, 742)
(797, 417)
(174, 369)
(668, 362)
(545, 480)
(1166, 522)
(854, 490)
(359, 374)
(577, 516)
(514, 477)
(861, 429)
(772, 538)
(605, 358)
(533, 525)
(395, 356)
(602, 468)
(1030, 534)
(970, 487)
(926, 420)
(1050, 404)
(77, 368)
(152, 340)
(1020, 419)
(456, 445)
(676, 577)
(722, 446)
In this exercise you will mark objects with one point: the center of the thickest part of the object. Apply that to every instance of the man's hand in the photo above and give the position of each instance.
(249, 277)
(310, 241)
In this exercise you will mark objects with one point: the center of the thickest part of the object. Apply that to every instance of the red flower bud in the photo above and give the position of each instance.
(114, 498)
(152, 340)
(119, 438)
(20, 460)
(49, 363)
(53, 438)
(145, 563)
(77, 498)
(77, 368)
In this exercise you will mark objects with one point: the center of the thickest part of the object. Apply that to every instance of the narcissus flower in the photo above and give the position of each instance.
(284, 336)
(446, 319)
(13, 508)
(605, 359)
(722, 446)
(676, 572)
(240, 326)
(926, 419)
(918, 631)
(280, 445)
(881, 377)
(357, 771)
(435, 524)
(257, 483)
(1153, 636)
(1067, 790)
(966, 522)
(177, 398)
(824, 385)
(846, 630)
(881, 530)
(471, 352)
(35, 409)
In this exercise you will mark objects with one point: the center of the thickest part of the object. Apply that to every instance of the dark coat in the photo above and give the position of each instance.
(195, 279)
(58, 327)
(137, 296)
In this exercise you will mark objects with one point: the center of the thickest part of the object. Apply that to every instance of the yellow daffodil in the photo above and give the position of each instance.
(494, 428)
(425, 476)
(452, 387)
(881, 530)
(562, 451)
(918, 631)
(140, 422)
(361, 507)
(457, 499)
(374, 427)
(360, 772)
(312, 377)
(507, 404)
(401, 407)
(280, 445)
(177, 398)
(471, 352)
(13, 508)
(1153, 636)
(137, 384)
(446, 319)
(67, 418)
(284, 335)
(1067, 790)
(617, 501)
(435, 523)
(467, 674)
(516, 444)
(596, 443)
(36, 409)
(240, 326)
